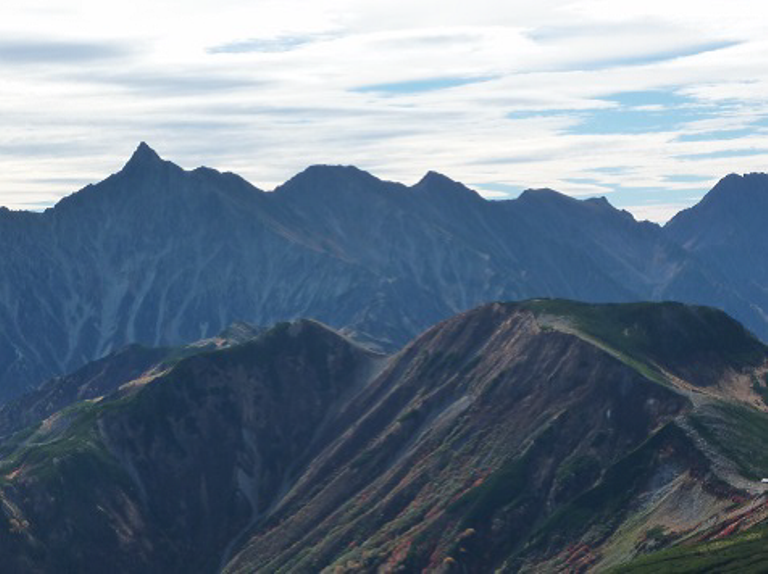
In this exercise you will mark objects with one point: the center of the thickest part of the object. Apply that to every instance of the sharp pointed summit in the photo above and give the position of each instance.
(143, 156)
(434, 178)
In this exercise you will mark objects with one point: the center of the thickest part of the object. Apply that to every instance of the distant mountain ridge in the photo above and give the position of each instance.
(157, 255)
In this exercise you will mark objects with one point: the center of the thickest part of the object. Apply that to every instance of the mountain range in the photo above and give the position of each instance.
(160, 256)
(198, 376)
(540, 436)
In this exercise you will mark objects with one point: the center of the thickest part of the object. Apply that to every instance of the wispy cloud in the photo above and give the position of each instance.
(420, 85)
(267, 45)
(652, 56)
(726, 153)
(172, 83)
(648, 102)
(36, 51)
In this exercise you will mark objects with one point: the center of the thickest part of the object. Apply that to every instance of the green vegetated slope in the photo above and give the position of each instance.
(745, 553)
(538, 436)
(693, 342)
(512, 441)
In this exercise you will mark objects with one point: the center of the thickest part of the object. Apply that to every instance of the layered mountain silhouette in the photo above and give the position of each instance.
(546, 435)
(160, 256)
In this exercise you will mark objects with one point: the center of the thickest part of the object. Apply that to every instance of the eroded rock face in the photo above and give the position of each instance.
(160, 256)
(537, 434)
(486, 424)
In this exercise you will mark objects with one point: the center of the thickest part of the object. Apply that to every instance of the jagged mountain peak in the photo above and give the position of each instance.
(145, 175)
(548, 202)
(375, 257)
(144, 156)
(544, 194)
(601, 201)
(734, 185)
(436, 178)
(735, 189)
(319, 176)
(334, 169)
(441, 185)
(147, 181)
(733, 211)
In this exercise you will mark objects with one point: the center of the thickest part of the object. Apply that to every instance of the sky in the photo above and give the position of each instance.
(647, 103)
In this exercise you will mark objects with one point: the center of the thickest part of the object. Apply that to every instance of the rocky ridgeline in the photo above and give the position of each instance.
(547, 434)
(156, 255)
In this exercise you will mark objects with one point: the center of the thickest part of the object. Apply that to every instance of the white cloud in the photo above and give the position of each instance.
(266, 88)
(658, 213)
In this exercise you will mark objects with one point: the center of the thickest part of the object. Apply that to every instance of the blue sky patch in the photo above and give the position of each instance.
(633, 113)
(649, 98)
(682, 178)
(622, 197)
(716, 135)
(423, 85)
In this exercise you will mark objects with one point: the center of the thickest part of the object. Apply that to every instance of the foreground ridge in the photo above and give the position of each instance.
(546, 434)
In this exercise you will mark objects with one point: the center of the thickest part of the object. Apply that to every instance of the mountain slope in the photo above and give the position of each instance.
(507, 437)
(727, 231)
(152, 255)
(743, 554)
(133, 364)
(543, 435)
(162, 477)
(159, 256)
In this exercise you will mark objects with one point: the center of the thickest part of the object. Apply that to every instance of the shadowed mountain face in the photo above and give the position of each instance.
(167, 472)
(727, 231)
(160, 256)
(130, 364)
(546, 434)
